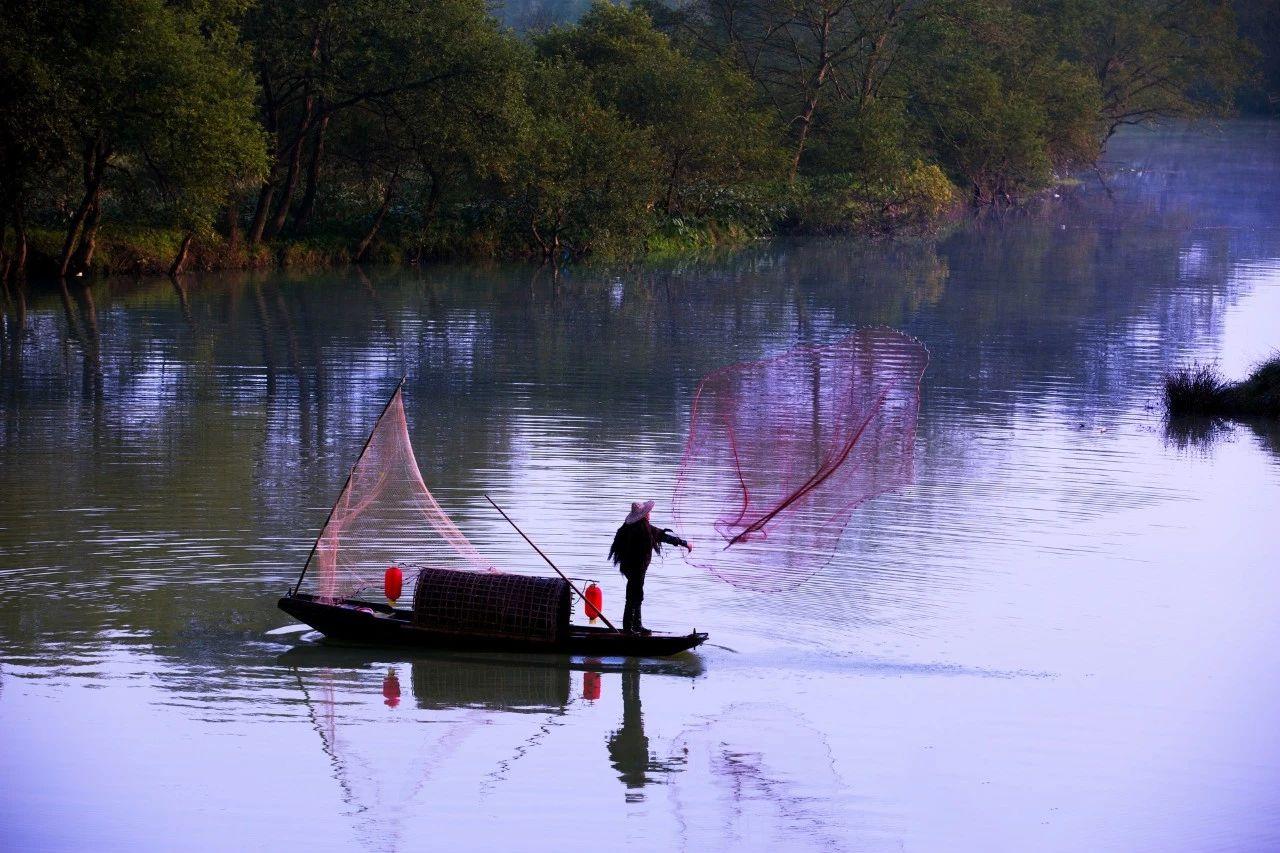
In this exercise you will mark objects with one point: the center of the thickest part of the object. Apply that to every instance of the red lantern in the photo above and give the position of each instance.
(393, 583)
(590, 686)
(391, 689)
(594, 602)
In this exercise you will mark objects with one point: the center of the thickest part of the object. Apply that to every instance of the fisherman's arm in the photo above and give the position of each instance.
(665, 535)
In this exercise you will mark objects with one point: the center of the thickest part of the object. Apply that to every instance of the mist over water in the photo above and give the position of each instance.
(1060, 636)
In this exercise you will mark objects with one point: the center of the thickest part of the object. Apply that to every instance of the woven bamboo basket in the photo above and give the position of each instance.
(490, 604)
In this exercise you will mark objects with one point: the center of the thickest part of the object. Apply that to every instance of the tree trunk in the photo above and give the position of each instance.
(433, 196)
(308, 204)
(671, 186)
(814, 92)
(363, 249)
(231, 220)
(88, 239)
(299, 139)
(267, 192)
(176, 267)
(95, 157)
(806, 121)
(18, 261)
(265, 195)
(286, 190)
(537, 235)
(295, 152)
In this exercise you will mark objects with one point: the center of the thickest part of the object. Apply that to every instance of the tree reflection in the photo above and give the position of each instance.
(1199, 434)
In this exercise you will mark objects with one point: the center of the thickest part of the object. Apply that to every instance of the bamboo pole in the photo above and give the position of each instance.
(549, 563)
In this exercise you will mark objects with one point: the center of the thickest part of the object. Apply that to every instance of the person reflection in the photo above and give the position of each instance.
(629, 746)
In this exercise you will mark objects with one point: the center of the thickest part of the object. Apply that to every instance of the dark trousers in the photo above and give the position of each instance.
(635, 596)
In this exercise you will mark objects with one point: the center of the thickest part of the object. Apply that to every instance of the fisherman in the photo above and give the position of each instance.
(633, 547)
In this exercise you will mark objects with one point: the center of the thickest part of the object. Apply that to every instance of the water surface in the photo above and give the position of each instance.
(1061, 636)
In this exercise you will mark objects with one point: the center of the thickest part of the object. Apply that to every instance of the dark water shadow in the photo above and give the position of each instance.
(1200, 434)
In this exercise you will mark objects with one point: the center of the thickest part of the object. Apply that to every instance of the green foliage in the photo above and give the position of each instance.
(914, 196)
(700, 116)
(875, 138)
(314, 131)
(148, 115)
(584, 177)
(35, 102)
(1153, 59)
(162, 90)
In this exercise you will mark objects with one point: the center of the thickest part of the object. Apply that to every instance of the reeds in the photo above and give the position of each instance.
(1202, 390)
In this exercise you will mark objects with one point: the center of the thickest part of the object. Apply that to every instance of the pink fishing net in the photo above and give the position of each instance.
(386, 516)
(781, 451)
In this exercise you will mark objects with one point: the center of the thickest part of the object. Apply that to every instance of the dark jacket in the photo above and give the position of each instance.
(635, 544)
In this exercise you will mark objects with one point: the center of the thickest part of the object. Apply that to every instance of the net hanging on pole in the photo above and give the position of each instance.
(386, 516)
(781, 451)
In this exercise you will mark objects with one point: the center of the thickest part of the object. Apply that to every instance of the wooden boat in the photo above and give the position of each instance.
(373, 623)
(473, 608)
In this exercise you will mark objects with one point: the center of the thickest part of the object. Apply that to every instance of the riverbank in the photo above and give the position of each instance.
(125, 250)
(918, 198)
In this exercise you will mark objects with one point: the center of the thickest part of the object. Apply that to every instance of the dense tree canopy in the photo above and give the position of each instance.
(262, 127)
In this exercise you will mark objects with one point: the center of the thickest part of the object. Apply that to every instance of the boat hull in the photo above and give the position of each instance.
(369, 623)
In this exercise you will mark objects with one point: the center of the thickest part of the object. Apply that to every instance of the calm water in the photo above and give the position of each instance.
(1063, 636)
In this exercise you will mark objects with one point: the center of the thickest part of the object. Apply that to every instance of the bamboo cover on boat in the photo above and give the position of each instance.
(492, 604)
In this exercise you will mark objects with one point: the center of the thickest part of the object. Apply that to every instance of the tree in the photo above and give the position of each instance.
(700, 115)
(1153, 59)
(803, 54)
(35, 128)
(997, 111)
(150, 98)
(404, 75)
(584, 177)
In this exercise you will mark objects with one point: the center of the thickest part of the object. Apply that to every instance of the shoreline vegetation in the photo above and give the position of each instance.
(1201, 391)
(144, 136)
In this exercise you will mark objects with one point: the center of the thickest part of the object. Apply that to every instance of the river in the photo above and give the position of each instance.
(1062, 635)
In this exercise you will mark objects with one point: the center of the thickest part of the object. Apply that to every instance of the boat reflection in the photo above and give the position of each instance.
(472, 719)
(441, 684)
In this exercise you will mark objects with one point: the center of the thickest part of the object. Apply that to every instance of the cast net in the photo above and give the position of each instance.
(386, 516)
(781, 451)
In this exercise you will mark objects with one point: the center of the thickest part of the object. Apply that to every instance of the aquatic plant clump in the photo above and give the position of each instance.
(1194, 390)
(1201, 389)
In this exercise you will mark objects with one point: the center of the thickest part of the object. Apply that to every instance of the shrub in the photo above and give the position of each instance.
(1201, 390)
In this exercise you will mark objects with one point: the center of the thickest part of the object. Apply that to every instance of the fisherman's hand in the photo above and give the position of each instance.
(689, 547)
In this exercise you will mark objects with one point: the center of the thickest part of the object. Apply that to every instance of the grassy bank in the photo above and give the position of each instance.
(1201, 390)
(913, 199)
(125, 250)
